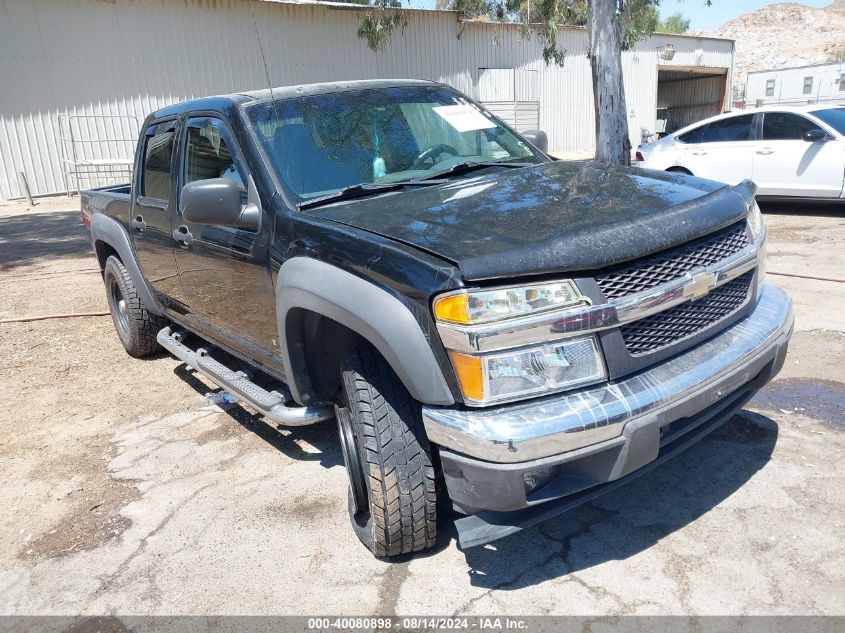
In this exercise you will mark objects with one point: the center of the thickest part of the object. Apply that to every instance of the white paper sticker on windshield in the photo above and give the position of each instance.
(464, 118)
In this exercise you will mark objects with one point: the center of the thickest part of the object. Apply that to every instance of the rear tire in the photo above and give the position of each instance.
(392, 492)
(136, 326)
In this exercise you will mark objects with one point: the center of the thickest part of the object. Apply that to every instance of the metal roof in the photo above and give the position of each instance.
(778, 70)
(349, 6)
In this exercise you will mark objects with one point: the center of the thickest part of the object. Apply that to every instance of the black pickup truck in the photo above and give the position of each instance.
(490, 327)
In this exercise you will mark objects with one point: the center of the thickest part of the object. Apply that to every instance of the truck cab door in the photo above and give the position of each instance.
(153, 203)
(225, 269)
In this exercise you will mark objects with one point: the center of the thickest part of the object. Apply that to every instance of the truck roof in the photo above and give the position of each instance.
(284, 92)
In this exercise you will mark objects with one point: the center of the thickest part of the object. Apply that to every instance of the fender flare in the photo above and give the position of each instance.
(371, 312)
(109, 231)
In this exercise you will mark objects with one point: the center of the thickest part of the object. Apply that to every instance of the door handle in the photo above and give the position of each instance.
(699, 153)
(138, 224)
(765, 152)
(183, 236)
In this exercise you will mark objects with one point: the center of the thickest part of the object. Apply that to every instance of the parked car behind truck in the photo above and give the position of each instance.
(517, 333)
(788, 151)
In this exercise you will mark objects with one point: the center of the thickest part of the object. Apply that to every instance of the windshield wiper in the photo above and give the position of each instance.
(365, 189)
(463, 168)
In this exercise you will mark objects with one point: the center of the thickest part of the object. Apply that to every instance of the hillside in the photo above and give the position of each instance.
(784, 35)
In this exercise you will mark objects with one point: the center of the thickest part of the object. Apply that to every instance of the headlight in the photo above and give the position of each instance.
(755, 221)
(757, 226)
(761, 265)
(521, 373)
(483, 306)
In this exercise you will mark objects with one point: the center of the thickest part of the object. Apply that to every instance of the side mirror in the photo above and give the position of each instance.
(538, 139)
(216, 201)
(814, 136)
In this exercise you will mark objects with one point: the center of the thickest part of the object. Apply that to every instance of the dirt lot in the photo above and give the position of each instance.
(123, 491)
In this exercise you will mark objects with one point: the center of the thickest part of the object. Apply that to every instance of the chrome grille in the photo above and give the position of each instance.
(668, 327)
(655, 270)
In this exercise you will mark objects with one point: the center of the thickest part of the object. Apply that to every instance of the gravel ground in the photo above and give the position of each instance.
(125, 492)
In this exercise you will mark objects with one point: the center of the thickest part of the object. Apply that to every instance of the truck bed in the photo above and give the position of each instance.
(113, 201)
(125, 189)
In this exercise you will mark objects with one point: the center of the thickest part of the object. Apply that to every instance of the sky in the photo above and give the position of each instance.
(702, 17)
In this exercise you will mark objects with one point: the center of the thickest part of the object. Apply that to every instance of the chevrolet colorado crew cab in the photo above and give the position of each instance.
(488, 326)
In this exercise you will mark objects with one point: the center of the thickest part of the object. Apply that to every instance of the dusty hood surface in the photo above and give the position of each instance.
(555, 217)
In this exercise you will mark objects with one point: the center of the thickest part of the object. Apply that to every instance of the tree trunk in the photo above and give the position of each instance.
(613, 146)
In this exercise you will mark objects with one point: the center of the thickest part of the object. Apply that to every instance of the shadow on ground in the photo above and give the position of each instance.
(27, 238)
(322, 436)
(633, 518)
(814, 208)
(616, 526)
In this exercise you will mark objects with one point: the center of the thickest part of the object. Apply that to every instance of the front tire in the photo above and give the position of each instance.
(392, 493)
(136, 326)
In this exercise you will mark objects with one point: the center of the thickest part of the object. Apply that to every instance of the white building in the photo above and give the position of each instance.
(77, 77)
(821, 83)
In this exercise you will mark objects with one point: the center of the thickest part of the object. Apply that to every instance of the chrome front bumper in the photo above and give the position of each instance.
(676, 388)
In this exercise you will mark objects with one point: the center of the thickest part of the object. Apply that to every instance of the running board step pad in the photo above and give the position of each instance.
(238, 383)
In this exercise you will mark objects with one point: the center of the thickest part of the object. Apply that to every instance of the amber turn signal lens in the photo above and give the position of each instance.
(454, 309)
(470, 374)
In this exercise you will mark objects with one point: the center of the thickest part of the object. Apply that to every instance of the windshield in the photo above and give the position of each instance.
(322, 143)
(834, 117)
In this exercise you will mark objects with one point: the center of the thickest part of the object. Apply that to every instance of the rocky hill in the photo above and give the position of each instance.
(784, 35)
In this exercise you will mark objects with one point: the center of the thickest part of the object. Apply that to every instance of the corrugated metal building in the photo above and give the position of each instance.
(78, 76)
(820, 83)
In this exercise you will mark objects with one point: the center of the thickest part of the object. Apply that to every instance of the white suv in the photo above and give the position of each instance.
(788, 151)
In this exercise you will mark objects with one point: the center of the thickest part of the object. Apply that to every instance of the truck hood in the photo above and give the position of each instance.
(550, 218)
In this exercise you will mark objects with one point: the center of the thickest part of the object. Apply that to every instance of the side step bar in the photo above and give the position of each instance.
(271, 404)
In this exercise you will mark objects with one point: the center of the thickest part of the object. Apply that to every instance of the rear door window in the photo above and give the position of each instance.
(693, 136)
(158, 159)
(737, 128)
(785, 126)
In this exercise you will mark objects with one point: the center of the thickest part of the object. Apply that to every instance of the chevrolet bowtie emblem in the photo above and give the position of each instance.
(701, 284)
